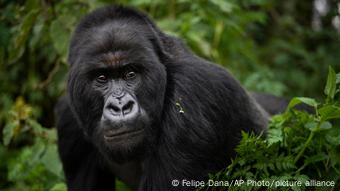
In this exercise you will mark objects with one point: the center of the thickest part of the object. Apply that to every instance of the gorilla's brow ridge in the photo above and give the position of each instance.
(114, 58)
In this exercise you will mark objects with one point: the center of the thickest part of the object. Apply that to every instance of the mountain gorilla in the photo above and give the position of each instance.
(140, 106)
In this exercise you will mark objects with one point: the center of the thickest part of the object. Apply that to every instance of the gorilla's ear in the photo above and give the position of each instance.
(167, 47)
(74, 48)
(159, 41)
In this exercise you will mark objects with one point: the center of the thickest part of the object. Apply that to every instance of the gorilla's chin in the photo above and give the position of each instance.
(120, 141)
(124, 147)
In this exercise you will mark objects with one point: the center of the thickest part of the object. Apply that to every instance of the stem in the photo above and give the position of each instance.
(173, 9)
(311, 135)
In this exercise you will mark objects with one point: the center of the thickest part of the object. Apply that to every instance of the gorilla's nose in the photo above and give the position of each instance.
(120, 107)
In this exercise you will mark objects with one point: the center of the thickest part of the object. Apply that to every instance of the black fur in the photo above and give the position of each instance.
(276, 105)
(196, 109)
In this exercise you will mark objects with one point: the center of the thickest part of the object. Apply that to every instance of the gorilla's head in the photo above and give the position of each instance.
(117, 81)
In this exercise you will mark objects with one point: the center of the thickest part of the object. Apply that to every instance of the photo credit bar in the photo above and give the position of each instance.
(210, 183)
(252, 183)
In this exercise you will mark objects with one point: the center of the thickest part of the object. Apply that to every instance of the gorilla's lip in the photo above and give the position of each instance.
(111, 134)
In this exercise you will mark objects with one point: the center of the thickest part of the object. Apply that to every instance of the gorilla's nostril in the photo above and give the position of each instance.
(114, 108)
(127, 108)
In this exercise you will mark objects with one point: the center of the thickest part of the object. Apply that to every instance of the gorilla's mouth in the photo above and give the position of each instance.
(110, 135)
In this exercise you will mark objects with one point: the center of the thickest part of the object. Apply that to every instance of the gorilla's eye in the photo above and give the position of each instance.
(130, 75)
(102, 79)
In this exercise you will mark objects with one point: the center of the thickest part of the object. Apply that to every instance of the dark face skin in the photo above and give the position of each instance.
(123, 121)
(115, 76)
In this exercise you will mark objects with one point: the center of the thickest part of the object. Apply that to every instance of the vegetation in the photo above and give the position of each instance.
(300, 147)
(270, 46)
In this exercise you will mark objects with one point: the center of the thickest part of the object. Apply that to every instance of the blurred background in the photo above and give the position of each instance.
(279, 47)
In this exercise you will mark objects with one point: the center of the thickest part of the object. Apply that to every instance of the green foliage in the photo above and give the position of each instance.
(299, 146)
(269, 45)
(25, 166)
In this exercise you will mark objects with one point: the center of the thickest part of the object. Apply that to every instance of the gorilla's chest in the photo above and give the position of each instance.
(129, 173)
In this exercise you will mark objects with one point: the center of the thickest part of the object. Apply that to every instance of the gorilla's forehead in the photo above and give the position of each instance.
(116, 43)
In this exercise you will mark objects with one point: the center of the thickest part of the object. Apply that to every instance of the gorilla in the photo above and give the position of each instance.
(141, 107)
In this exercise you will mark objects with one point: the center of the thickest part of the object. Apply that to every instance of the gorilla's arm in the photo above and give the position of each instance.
(203, 115)
(80, 160)
(275, 105)
(272, 104)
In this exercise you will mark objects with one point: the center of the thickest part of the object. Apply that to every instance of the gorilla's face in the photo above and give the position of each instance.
(117, 88)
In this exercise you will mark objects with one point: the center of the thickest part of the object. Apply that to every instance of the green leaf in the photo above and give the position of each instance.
(223, 5)
(121, 186)
(314, 126)
(297, 100)
(274, 136)
(25, 27)
(60, 37)
(8, 132)
(316, 158)
(311, 125)
(325, 125)
(38, 149)
(36, 127)
(295, 188)
(331, 83)
(59, 187)
(24, 31)
(32, 4)
(338, 78)
(50, 160)
(333, 139)
(329, 112)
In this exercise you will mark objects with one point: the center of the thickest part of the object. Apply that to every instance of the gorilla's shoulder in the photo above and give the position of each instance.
(63, 113)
